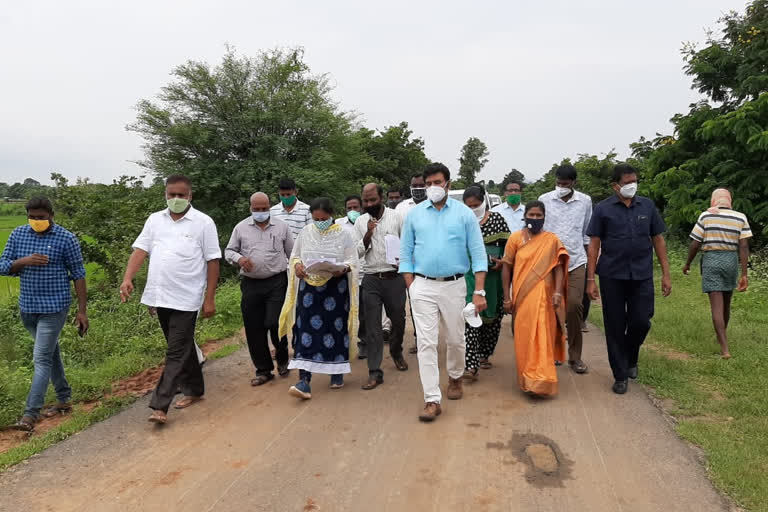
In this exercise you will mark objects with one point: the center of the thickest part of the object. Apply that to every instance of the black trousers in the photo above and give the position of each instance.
(361, 327)
(627, 313)
(181, 365)
(390, 294)
(261, 302)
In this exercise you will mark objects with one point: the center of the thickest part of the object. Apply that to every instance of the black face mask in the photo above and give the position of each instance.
(418, 194)
(534, 225)
(392, 203)
(374, 211)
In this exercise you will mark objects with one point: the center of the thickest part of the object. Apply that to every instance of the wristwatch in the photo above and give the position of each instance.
(480, 293)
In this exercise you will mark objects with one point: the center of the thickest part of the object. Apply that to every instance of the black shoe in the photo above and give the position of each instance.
(282, 370)
(620, 387)
(386, 334)
(633, 373)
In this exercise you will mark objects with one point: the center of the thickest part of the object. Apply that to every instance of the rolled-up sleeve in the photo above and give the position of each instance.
(73, 259)
(9, 255)
(211, 248)
(587, 218)
(595, 227)
(475, 244)
(144, 240)
(232, 251)
(407, 240)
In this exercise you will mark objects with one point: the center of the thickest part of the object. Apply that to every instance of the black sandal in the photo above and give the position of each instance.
(56, 409)
(25, 424)
(282, 370)
(261, 379)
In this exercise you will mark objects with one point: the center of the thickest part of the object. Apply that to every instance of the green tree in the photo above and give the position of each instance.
(240, 126)
(472, 159)
(394, 155)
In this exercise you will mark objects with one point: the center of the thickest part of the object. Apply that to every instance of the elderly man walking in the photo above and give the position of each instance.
(260, 246)
(383, 286)
(46, 257)
(568, 215)
(441, 241)
(183, 249)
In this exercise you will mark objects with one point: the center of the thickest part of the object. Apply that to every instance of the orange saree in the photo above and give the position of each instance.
(539, 328)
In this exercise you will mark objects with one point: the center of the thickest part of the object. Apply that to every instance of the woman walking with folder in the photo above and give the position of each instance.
(321, 302)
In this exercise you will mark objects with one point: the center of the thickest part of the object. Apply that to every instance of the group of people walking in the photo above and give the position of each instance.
(335, 287)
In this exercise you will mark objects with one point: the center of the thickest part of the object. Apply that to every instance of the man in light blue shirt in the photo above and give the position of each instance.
(511, 209)
(440, 242)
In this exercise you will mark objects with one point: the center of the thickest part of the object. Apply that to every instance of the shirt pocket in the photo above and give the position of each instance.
(187, 246)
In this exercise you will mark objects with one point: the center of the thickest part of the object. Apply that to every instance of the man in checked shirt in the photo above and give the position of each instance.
(46, 257)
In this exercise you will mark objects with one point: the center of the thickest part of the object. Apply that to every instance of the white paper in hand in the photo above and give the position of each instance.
(392, 243)
(324, 266)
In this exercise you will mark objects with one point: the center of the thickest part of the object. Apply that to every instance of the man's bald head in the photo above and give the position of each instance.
(260, 202)
(372, 198)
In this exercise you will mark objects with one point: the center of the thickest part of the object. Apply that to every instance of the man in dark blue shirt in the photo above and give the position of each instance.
(623, 232)
(46, 257)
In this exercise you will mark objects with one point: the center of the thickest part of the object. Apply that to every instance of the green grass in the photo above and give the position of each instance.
(9, 285)
(224, 351)
(721, 406)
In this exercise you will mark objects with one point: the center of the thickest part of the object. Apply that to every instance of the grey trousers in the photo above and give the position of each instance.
(390, 294)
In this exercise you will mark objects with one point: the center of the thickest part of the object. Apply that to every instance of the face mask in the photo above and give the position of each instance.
(534, 225)
(628, 191)
(418, 194)
(260, 216)
(513, 199)
(288, 201)
(392, 203)
(562, 191)
(322, 225)
(39, 225)
(373, 211)
(352, 215)
(479, 212)
(177, 204)
(436, 194)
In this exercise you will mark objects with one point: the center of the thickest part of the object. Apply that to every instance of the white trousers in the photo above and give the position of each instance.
(438, 305)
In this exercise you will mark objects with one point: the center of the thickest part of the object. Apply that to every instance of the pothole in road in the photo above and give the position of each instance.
(546, 465)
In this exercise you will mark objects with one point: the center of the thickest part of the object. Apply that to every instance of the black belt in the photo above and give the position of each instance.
(454, 277)
(384, 275)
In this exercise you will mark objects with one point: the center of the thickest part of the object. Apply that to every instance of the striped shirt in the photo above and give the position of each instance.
(296, 219)
(721, 231)
(391, 223)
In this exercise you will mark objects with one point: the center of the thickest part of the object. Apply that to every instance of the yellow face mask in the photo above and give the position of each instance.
(39, 225)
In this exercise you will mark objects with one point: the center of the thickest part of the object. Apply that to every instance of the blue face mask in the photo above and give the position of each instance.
(322, 225)
(260, 216)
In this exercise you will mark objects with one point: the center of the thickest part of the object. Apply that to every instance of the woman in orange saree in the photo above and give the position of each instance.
(534, 281)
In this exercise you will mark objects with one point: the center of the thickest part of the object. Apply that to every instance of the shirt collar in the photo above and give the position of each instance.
(446, 205)
(271, 223)
(189, 215)
(617, 200)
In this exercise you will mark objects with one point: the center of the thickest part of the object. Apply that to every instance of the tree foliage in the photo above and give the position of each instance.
(472, 160)
(512, 175)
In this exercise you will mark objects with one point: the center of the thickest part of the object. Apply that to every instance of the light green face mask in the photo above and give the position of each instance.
(177, 204)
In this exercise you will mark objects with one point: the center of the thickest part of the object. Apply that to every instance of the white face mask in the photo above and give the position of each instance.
(562, 191)
(435, 193)
(479, 212)
(628, 191)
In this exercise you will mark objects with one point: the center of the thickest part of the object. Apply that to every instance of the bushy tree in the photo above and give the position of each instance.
(472, 160)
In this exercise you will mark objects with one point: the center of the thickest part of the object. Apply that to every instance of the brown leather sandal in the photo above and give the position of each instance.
(186, 401)
(25, 424)
(261, 379)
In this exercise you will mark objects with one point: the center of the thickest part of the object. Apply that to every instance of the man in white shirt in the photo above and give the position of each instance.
(290, 210)
(383, 287)
(418, 195)
(568, 216)
(183, 250)
(511, 209)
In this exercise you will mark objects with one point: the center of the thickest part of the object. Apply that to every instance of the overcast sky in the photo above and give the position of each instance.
(536, 81)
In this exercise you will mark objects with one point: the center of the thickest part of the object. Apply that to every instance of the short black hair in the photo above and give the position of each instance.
(393, 191)
(622, 169)
(434, 168)
(40, 203)
(566, 172)
(477, 191)
(178, 178)
(535, 204)
(510, 182)
(286, 184)
(351, 197)
(418, 175)
(321, 203)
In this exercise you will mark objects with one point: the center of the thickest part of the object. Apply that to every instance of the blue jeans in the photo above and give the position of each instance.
(45, 329)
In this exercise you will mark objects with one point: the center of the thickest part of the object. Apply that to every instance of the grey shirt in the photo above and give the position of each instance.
(268, 249)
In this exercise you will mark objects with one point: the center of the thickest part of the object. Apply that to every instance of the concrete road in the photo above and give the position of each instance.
(258, 449)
